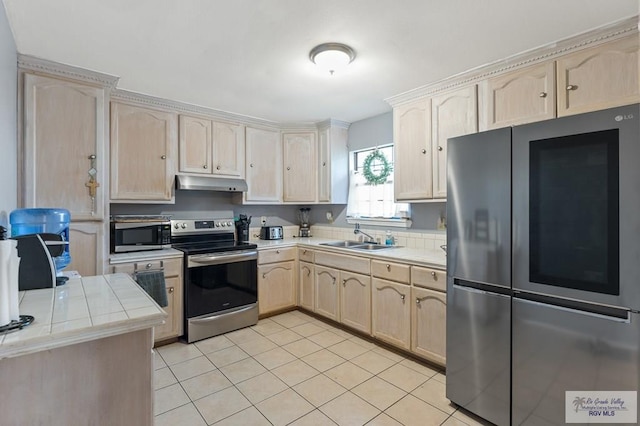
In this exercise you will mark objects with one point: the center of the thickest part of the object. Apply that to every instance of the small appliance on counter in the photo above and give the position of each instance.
(242, 228)
(271, 233)
(305, 227)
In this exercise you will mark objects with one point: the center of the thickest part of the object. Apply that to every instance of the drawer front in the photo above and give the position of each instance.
(276, 255)
(305, 255)
(172, 267)
(360, 265)
(429, 278)
(391, 271)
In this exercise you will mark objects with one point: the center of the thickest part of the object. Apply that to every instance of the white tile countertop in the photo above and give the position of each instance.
(81, 310)
(431, 258)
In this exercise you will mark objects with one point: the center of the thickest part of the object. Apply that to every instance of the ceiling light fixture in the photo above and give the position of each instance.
(332, 57)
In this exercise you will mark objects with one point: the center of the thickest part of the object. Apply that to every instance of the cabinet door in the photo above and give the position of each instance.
(412, 151)
(327, 292)
(195, 145)
(355, 301)
(173, 323)
(519, 97)
(429, 324)
(276, 288)
(299, 174)
(452, 114)
(228, 150)
(143, 146)
(598, 78)
(263, 165)
(333, 166)
(306, 286)
(391, 319)
(86, 247)
(64, 128)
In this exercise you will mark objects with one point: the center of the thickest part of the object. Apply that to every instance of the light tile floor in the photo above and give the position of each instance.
(295, 369)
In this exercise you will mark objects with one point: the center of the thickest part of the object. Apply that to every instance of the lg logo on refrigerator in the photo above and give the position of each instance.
(624, 117)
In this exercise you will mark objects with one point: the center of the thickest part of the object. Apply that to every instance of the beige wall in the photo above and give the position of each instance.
(8, 99)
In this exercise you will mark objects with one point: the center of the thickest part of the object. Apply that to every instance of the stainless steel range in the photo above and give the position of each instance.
(220, 275)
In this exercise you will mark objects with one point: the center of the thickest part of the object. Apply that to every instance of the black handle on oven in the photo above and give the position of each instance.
(221, 258)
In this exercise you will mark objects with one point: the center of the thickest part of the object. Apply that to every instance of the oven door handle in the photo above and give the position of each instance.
(222, 258)
(215, 316)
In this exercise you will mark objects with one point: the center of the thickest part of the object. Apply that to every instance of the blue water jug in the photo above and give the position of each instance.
(36, 221)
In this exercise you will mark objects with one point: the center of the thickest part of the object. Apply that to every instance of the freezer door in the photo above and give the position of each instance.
(557, 350)
(479, 207)
(478, 350)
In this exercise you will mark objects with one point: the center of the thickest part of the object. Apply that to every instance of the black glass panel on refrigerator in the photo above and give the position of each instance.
(573, 212)
(220, 287)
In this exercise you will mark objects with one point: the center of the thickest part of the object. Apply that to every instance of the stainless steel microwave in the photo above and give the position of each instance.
(138, 233)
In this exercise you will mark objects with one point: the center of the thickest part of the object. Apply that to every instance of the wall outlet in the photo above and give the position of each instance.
(263, 220)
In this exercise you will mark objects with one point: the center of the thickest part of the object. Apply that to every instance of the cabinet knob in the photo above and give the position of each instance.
(92, 157)
(572, 87)
(324, 163)
(164, 157)
(417, 301)
(402, 297)
(205, 166)
(218, 168)
(277, 251)
(170, 289)
(264, 275)
(388, 267)
(251, 165)
(333, 281)
(304, 252)
(288, 168)
(433, 274)
(543, 94)
(439, 148)
(148, 266)
(344, 283)
(424, 151)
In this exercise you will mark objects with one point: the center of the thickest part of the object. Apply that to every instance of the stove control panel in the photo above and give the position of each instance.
(204, 226)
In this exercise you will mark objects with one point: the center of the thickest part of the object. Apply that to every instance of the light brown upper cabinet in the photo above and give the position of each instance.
(452, 114)
(64, 146)
(299, 162)
(144, 144)
(412, 151)
(211, 147)
(518, 97)
(333, 165)
(601, 77)
(263, 165)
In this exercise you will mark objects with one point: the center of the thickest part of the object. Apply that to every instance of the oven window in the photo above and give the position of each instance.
(573, 212)
(215, 288)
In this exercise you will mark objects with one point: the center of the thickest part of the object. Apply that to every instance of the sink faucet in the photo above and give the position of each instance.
(358, 231)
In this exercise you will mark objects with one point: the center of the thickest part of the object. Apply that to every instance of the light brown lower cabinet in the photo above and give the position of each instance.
(306, 287)
(173, 326)
(429, 324)
(355, 301)
(276, 286)
(391, 312)
(327, 292)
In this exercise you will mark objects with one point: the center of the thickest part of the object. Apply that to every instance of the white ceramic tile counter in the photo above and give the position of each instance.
(82, 310)
(432, 258)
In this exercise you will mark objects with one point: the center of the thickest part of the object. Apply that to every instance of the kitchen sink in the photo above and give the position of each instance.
(342, 244)
(356, 245)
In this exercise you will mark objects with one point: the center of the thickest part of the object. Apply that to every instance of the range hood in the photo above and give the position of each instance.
(210, 183)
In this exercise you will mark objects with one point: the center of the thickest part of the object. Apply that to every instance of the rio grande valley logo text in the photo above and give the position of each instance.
(601, 406)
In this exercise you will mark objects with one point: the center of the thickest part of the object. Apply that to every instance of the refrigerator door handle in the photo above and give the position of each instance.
(617, 314)
(477, 291)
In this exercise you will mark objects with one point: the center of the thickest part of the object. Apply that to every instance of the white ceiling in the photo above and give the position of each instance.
(251, 56)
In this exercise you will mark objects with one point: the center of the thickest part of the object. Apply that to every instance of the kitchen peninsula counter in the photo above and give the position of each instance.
(86, 358)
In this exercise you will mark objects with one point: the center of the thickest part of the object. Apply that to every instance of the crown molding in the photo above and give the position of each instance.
(332, 122)
(94, 78)
(614, 31)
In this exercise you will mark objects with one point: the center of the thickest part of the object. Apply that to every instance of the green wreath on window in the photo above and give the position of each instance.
(376, 160)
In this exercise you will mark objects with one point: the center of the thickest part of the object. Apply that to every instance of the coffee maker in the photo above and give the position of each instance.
(305, 227)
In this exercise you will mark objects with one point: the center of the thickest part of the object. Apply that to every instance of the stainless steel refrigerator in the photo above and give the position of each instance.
(543, 268)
